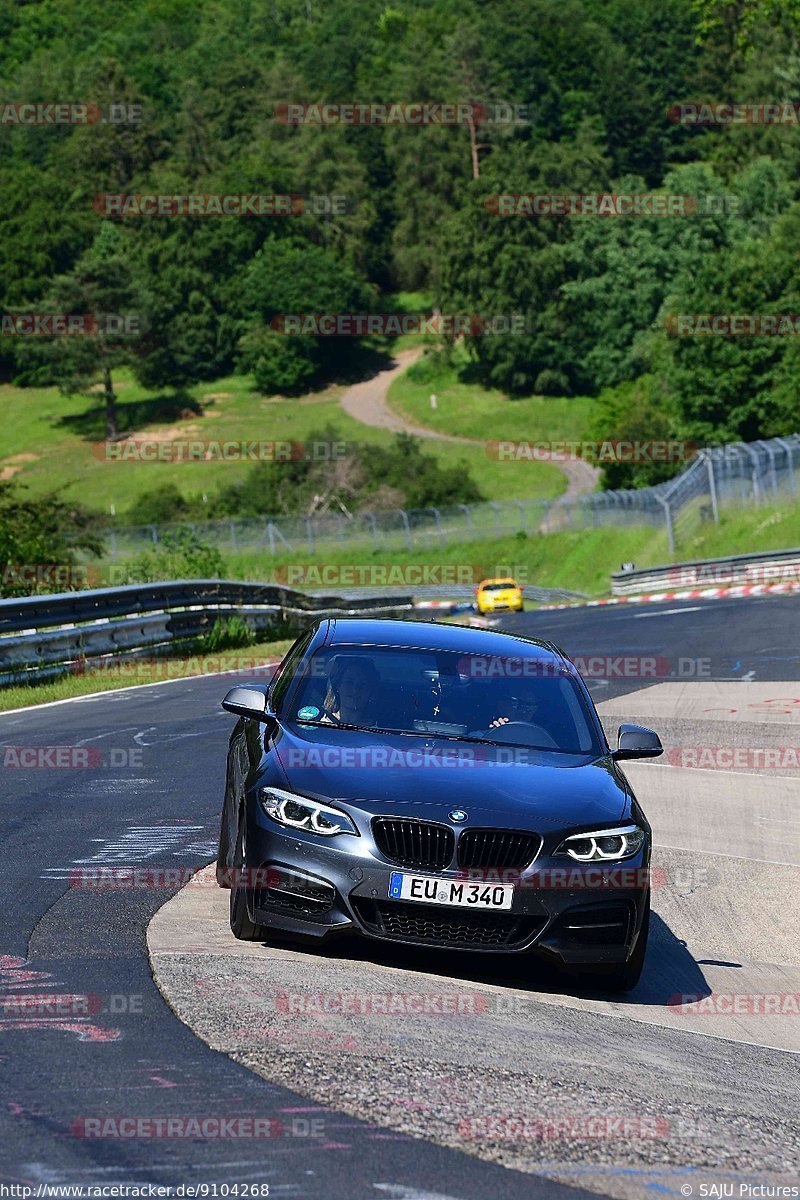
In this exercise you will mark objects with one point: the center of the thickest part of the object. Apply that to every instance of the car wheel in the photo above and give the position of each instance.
(619, 977)
(223, 852)
(242, 927)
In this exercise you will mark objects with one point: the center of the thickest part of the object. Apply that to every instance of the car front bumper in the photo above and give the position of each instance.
(561, 910)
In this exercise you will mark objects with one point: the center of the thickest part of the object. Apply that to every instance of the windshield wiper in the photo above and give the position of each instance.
(441, 737)
(362, 728)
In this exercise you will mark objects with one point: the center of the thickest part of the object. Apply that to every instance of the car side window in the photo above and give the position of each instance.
(284, 678)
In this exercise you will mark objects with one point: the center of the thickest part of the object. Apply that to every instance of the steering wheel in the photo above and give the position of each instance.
(543, 737)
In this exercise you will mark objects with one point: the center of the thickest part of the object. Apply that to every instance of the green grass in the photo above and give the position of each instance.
(48, 441)
(581, 561)
(469, 410)
(149, 671)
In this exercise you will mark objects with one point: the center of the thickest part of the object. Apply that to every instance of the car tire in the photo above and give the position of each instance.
(619, 977)
(242, 926)
(222, 869)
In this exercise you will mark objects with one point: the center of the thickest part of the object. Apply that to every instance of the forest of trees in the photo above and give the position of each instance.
(597, 81)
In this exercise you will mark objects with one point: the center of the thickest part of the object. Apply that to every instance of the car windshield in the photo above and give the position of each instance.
(500, 586)
(521, 699)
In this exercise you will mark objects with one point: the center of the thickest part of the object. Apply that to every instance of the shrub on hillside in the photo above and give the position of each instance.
(39, 538)
(179, 555)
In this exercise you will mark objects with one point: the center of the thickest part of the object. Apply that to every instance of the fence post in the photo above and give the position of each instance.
(310, 534)
(437, 519)
(407, 528)
(712, 484)
(374, 525)
(773, 475)
(668, 519)
(751, 454)
(789, 462)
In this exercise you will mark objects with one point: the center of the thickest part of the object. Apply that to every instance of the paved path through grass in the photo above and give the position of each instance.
(367, 402)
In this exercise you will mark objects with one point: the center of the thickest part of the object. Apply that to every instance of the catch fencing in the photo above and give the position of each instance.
(743, 474)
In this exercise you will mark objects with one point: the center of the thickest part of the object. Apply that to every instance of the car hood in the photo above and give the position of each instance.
(428, 777)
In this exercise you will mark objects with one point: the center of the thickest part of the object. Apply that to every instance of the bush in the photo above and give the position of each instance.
(552, 383)
(418, 476)
(180, 555)
(159, 507)
(38, 534)
(279, 364)
(227, 633)
(284, 279)
(366, 476)
(636, 411)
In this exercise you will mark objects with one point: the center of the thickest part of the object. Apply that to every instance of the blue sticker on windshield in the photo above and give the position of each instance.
(307, 713)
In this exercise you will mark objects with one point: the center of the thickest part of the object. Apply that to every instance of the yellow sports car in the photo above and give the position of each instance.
(494, 594)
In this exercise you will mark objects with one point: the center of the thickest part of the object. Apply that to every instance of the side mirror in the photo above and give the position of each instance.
(634, 741)
(249, 700)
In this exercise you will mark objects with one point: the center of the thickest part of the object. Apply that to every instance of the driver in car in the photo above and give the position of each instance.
(521, 708)
(352, 690)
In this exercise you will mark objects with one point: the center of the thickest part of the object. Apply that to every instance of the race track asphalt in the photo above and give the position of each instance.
(108, 1045)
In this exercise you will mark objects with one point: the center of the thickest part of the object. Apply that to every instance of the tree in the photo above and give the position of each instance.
(284, 279)
(102, 289)
(37, 533)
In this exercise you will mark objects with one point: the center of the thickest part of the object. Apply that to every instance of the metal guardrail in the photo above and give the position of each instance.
(462, 591)
(41, 636)
(768, 566)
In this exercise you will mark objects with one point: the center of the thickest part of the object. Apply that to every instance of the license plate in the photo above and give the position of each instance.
(460, 892)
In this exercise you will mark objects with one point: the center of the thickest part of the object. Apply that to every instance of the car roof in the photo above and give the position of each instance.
(499, 579)
(432, 635)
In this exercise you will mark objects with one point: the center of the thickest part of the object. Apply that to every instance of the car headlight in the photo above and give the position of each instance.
(604, 845)
(298, 812)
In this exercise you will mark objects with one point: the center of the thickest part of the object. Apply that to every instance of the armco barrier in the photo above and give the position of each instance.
(42, 636)
(768, 566)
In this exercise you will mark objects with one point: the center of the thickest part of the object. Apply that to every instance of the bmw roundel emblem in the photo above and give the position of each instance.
(457, 816)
